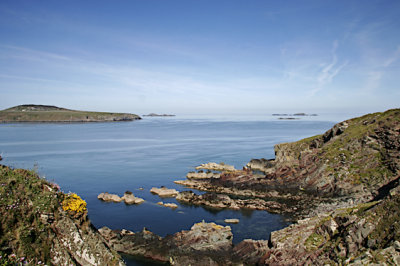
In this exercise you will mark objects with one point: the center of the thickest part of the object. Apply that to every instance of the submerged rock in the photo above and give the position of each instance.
(169, 205)
(164, 192)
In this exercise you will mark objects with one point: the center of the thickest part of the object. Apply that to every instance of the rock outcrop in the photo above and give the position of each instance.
(223, 201)
(203, 244)
(364, 234)
(40, 224)
(201, 175)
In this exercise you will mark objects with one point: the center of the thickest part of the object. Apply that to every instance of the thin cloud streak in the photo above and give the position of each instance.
(329, 72)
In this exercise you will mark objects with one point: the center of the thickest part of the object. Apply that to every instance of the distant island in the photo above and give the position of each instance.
(290, 116)
(296, 114)
(158, 115)
(47, 113)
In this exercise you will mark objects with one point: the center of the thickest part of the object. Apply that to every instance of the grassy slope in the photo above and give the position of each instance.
(24, 197)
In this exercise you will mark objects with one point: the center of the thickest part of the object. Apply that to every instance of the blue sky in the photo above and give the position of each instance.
(194, 57)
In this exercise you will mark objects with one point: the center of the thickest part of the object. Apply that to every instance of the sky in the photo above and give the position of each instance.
(201, 56)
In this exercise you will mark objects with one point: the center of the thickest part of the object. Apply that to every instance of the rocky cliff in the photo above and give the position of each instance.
(357, 156)
(47, 113)
(42, 225)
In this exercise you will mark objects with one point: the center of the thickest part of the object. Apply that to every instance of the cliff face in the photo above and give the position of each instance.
(41, 224)
(356, 156)
(46, 113)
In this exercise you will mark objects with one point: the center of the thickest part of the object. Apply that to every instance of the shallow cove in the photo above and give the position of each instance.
(92, 158)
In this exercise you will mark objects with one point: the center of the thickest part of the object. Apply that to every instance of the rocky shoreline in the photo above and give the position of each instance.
(339, 187)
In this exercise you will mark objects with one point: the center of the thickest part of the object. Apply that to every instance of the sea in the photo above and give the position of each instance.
(91, 158)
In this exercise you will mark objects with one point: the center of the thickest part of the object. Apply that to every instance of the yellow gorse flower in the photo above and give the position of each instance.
(74, 203)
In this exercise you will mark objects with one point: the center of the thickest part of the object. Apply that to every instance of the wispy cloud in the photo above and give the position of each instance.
(393, 58)
(35, 54)
(329, 71)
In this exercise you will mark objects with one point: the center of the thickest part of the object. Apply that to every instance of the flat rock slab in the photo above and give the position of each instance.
(109, 197)
(216, 167)
(164, 192)
(231, 221)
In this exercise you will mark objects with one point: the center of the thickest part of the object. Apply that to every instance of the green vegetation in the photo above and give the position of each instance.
(28, 205)
(314, 241)
(44, 113)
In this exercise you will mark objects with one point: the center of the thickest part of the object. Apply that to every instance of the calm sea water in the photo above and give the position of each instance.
(97, 157)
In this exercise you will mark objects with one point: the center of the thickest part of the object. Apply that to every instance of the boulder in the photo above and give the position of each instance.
(129, 198)
(109, 197)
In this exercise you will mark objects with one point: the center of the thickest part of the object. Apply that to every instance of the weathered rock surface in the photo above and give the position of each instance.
(364, 234)
(250, 251)
(216, 167)
(262, 164)
(164, 192)
(203, 244)
(201, 175)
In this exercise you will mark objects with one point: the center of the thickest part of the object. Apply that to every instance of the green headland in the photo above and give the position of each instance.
(54, 114)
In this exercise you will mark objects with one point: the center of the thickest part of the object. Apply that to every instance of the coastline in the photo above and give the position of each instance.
(286, 157)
